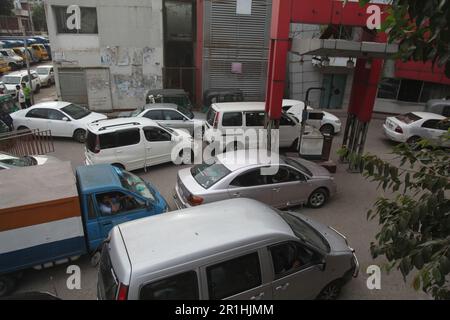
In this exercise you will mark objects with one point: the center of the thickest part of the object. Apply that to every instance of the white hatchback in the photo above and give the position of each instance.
(137, 142)
(64, 119)
(329, 124)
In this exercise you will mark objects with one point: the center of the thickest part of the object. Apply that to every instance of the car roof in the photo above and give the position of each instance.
(93, 178)
(20, 73)
(290, 102)
(161, 106)
(110, 125)
(51, 104)
(428, 115)
(235, 160)
(239, 106)
(197, 232)
(45, 66)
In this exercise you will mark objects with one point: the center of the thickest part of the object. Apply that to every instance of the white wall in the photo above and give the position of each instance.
(129, 43)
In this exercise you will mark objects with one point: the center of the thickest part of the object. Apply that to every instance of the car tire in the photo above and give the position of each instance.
(327, 129)
(413, 141)
(186, 156)
(119, 166)
(79, 135)
(22, 128)
(331, 291)
(318, 198)
(7, 285)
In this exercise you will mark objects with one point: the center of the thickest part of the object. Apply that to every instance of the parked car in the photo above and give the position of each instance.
(13, 79)
(235, 249)
(40, 51)
(46, 75)
(438, 106)
(414, 126)
(244, 116)
(134, 143)
(169, 115)
(3, 89)
(237, 174)
(64, 119)
(4, 68)
(14, 61)
(25, 54)
(9, 161)
(329, 124)
(176, 96)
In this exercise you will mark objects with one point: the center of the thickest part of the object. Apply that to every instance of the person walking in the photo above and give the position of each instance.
(21, 97)
(27, 93)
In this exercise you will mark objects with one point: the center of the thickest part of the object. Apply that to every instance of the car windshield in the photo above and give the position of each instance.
(43, 71)
(304, 231)
(207, 175)
(11, 160)
(11, 80)
(186, 112)
(135, 184)
(296, 164)
(408, 118)
(75, 111)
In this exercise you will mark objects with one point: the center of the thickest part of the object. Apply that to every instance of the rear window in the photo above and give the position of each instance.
(408, 118)
(107, 282)
(207, 175)
(113, 140)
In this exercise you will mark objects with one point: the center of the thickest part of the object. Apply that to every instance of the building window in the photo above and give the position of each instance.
(88, 20)
(411, 90)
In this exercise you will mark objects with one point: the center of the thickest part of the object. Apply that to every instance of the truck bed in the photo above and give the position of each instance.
(40, 217)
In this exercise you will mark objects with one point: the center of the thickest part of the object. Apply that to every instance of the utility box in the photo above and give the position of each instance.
(312, 144)
(327, 144)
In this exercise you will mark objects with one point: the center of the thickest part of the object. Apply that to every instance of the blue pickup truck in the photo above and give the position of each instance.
(49, 216)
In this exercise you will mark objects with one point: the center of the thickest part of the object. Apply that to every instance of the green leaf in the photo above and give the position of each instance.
(416, 283)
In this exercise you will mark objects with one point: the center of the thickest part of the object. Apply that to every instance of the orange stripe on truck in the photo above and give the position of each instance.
(28, 215)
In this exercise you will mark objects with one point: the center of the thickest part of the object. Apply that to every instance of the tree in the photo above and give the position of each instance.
(6, 7)
(415, 217)
(421, 27)
(39, 21)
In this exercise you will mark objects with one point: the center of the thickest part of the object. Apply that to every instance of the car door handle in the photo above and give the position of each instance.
(282, 287)
(119, 151)
(236, 194)
(257, 297)
(276, 189)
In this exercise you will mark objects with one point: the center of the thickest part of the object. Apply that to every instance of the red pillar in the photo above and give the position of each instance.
(279, 48)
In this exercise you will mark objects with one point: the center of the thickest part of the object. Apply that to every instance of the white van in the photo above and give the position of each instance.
(134, 143)
(233, 249)
(247, 115)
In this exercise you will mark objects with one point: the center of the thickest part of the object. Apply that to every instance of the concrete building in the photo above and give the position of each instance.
(18, 23)
(125, 48)
(114, 58)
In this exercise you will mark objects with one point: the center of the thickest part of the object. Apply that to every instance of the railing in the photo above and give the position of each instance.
(27, 142)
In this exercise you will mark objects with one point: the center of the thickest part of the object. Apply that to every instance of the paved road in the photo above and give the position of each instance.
(346, 212)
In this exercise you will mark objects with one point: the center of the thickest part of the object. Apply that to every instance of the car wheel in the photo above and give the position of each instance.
(327, 129)
(413, 141)
(7, 285)
(331, 291)
(118, 165)
(79, 135)
(318, 198)
(22, 128)
(186, 156)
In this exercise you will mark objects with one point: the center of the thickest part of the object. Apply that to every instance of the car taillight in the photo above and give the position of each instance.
(216, 120)
(123, 292)
(398, 129)
(194, 200)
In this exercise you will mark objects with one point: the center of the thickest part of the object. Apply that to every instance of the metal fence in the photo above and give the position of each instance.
(27, 142)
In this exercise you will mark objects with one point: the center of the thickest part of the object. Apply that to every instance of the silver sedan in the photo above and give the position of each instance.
(238, 174)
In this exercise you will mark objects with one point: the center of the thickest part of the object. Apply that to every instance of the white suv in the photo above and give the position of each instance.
(136, 142)
(13, 79)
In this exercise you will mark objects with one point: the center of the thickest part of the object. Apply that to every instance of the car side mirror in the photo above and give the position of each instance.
(65, 119)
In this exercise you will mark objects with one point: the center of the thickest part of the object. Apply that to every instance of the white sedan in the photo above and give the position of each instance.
(414, 126)
(9, 161)
(46, 75)
(64, 119)
(329, 124)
